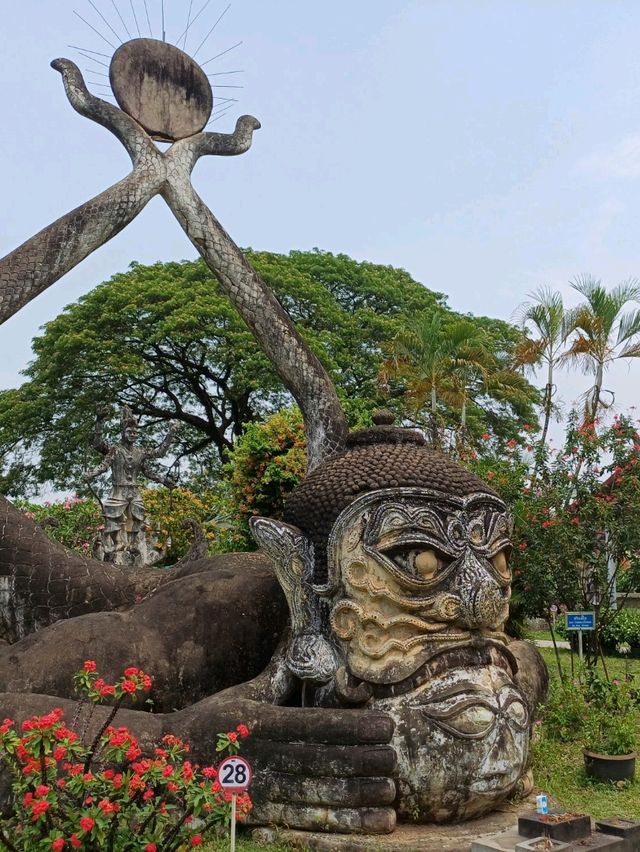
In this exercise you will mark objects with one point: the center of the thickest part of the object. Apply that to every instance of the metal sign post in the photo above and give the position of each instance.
(234, 774)
(581, 621)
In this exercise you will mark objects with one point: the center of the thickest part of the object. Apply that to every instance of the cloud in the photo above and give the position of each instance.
(620, 160)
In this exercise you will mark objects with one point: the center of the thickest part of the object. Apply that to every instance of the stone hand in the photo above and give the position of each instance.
(316, 769)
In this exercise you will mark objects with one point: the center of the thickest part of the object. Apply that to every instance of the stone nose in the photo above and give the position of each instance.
(483, 603)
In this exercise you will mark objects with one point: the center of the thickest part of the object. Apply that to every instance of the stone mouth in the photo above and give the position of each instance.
(478, 651)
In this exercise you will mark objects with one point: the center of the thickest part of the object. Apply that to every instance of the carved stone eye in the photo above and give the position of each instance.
(501, 564)
(518, 713)
(415, 562)
(472, 720)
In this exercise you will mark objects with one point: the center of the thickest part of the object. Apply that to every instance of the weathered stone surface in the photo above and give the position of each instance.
(162, 88)
(408, 838)
(215, 624)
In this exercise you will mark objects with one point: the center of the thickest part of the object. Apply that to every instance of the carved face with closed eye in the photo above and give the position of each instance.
(412, 571)
(462, 741)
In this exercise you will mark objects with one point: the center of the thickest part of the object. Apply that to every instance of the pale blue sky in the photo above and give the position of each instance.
(486, 146)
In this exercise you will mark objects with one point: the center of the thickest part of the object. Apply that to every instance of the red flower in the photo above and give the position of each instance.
(523, 545)
(233, 737)
(58, 844)
(131, 671)
(59, 753)
(511, 444)
(150, 847)
(86, 823)
(209, 772)
(107, 690)
(77, 844)
(41, 790)
(129, 686)
(89, 666)
(243, 731)
(486, 436)
(575, 521)
(39, 808)
(196, 840)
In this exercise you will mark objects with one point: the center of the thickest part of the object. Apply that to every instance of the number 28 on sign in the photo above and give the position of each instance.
(234, 774)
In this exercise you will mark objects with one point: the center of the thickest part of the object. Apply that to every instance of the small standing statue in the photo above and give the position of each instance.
(123, 538)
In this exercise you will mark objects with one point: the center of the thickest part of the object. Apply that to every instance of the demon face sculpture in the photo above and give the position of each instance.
(398, 581)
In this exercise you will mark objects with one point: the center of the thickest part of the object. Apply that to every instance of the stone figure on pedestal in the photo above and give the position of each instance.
(123, 537)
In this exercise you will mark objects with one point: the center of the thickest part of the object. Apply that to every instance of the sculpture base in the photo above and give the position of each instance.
(406, 837)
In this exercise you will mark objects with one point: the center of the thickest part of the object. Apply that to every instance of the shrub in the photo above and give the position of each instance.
(623, 629)
(565, 712)
(107, 795)
(74, 522)
(267, 463)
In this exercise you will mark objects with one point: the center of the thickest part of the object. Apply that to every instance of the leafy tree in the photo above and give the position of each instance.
(163, 340)
(602, 333)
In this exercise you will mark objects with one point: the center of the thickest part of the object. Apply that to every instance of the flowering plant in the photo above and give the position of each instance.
(107, 795)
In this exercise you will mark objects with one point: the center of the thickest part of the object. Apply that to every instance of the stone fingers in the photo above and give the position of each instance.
(325, 760)
(344, 820)
(324, 791)
(319, 725)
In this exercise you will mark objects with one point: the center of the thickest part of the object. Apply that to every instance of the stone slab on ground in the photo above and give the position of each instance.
(557, 824)
(506, 841)
(406, 838)
(547, 844)
(622, 828)
(607, 842)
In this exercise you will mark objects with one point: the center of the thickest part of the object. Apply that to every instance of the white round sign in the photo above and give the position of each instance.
(235, 773)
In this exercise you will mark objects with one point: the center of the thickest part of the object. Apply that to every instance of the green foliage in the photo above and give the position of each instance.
(268, 461)
(577, 519)
(565, 711)
(457, 377)
(164, 340)
(611, 722)
(74, 522)
(623, 629)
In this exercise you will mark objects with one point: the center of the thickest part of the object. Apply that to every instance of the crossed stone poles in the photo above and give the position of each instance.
(40, 261)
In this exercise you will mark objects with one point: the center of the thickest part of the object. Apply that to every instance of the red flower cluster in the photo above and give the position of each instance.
(65, 798)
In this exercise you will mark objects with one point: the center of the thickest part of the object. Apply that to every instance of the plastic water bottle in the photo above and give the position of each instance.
(542, 803)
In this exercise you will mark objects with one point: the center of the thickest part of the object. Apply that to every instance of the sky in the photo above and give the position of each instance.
(486, 146)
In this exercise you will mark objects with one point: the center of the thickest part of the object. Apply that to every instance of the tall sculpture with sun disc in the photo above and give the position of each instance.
(394, 691)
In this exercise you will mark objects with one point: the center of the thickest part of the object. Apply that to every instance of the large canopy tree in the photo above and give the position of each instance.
(165, 341)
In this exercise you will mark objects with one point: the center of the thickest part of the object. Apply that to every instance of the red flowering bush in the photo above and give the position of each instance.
(107, 795)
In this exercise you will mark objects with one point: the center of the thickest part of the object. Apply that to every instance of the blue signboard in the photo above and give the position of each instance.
(581, 621)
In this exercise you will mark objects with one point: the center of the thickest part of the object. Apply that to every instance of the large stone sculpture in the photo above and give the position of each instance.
(394, 691)
(123, 537)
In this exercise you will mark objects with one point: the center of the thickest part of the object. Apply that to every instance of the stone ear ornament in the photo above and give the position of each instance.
(310, 656)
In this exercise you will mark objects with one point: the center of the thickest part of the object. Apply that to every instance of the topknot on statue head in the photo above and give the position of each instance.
(383, 456)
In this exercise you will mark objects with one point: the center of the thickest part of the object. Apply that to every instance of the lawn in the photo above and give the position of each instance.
(558, 767)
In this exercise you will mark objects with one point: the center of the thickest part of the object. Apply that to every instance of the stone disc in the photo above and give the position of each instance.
(162, 88)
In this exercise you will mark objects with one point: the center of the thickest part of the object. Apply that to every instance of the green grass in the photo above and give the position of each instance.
(559, 767)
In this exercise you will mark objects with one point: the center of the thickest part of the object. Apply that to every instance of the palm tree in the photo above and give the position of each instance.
(600, 333)
(546, 316)
(440, 361)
